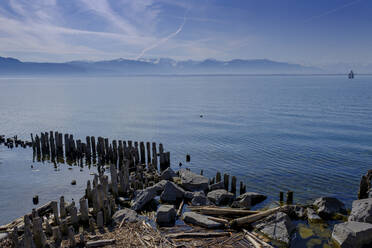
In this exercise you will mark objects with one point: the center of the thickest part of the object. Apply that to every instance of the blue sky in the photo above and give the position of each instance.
(310, 32)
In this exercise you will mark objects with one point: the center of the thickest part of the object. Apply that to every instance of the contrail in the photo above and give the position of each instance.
(163, 40)
(332, 10)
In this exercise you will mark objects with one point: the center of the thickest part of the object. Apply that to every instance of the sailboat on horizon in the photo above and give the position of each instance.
(351, 74)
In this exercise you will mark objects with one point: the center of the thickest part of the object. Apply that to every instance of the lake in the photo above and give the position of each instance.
(309, 134)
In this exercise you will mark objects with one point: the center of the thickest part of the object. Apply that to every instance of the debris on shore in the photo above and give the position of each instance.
(141, 204)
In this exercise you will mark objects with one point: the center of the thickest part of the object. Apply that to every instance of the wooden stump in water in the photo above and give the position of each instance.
(226, 178)
(233, 185)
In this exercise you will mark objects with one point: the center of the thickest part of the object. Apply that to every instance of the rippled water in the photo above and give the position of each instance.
(312, 135)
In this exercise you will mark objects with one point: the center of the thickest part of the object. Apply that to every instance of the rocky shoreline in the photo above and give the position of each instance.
(138, 205)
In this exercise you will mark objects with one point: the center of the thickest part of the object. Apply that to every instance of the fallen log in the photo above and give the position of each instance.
(180, 208)
(42, 210)
(223, 211)
(254, 237)
(253, 218)
(219, 220)
(100, 243)
(197, 235)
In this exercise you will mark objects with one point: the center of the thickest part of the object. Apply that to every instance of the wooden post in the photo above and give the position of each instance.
(142, 150)
(148, 150)
(39, 236)
(74, 216)
(226, 181)
(114, 180)
(57, 236)
(218, 177)
(54, 205)
(242, 188)
(62, 207)
(233, 185)
(154, 156)
(188, 158)
(161, 149)
(71, 237)
(28, 240)
(93, 144)
(281, 196)
(100, 219)
(289, 197)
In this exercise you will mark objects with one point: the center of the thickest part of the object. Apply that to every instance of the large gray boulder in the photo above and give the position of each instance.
(248, 199)
(328, 206)
(193, 182)
(166, 215)
(168, 174)
(220, 197)
(361, 211)
(200, 199)
(200, 220)
(277, 226)
(172, 193)
(219, 185)
(142, 197)
(127, 214)
(353, 234)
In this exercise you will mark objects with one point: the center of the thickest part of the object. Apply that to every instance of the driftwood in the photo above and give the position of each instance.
(222, 211)
(219, 220)
(251, 236)
(42, 210)
(180, 208)
(197, 235)
(100, 243)
(253, 218)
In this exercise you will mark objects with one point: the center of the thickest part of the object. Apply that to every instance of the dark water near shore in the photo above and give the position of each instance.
(312, 135)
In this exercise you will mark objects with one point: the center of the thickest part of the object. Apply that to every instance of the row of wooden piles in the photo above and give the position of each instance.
(226, 181)
(60, 147)
(97, 207)
(14, 142)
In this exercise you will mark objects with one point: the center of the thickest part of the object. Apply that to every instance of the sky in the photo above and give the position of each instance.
(316, 32)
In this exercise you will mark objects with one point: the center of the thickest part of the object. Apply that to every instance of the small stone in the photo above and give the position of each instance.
(200, 220)
(219, 185)
(277, 226)
(166, 215)
(168, 174)
(200, 199)
(220, 197)
(193, 182)
(312, 217)
(172, 193)
(329, 206)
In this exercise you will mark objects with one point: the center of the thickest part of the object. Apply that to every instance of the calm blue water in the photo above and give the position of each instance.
(312, 135)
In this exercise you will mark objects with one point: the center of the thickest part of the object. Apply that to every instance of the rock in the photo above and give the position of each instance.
(248, 199)
(361, 211)
(294, 211)
(312, 217)
(172, 193)
(353, 234)
(168, 174)
(166, 215)
(127, 214)
(328, 206)
(142, 197)
(220, 197)
(3, 236)
(219, 185)
(200, 220)
(200, 199)
(193, 182)
(277, 226)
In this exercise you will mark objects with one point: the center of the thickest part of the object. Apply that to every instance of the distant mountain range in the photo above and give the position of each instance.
(153, 66)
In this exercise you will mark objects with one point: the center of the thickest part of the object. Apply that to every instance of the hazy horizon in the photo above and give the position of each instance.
(318, 33)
